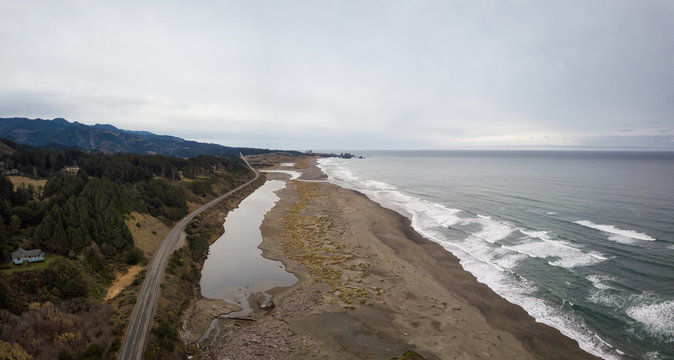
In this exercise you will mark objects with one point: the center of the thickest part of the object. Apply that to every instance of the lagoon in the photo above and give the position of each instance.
(235, 268)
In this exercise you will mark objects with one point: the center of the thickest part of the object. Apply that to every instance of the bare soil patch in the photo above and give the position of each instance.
(122, 281)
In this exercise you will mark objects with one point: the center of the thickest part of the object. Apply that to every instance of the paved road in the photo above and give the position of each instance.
(143, 312)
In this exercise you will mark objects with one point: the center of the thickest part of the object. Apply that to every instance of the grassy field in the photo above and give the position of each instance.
(49, 258)
(22, 180)
(148, 232)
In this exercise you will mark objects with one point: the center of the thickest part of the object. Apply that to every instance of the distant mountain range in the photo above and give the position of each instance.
(108, 139)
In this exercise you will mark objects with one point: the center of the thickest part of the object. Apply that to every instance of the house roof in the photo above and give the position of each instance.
(26, 253)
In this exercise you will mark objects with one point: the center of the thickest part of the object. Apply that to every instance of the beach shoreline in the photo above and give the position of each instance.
(371, 287)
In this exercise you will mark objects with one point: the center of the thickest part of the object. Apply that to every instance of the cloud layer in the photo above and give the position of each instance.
(350, 74)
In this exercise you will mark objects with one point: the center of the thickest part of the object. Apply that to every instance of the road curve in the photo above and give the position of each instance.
(143, 312)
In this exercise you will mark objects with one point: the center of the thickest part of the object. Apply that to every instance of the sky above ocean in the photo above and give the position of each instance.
(350, 74)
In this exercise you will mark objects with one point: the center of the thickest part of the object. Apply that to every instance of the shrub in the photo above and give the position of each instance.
(134, 256)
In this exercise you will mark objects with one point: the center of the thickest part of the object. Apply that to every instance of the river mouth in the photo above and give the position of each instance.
(235, 269)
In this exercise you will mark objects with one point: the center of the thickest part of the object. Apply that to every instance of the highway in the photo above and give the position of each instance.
(143, 312)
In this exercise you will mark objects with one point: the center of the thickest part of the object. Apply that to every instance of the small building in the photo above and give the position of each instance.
(71, 170)
(21, 255)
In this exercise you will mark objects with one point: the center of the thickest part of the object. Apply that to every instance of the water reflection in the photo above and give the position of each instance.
(235, 268)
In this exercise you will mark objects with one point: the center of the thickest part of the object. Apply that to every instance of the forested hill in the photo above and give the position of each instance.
(76, 207)
(83, 187)
(108, 139)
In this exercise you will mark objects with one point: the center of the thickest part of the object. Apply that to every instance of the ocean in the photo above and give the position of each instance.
(583, 241)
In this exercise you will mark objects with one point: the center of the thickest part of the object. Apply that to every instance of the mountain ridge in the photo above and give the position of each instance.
(107, 138)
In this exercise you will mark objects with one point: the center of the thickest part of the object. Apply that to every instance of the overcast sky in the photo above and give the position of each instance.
(350, 74)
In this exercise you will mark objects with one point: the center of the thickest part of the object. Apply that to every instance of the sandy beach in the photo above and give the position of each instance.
(372, 288)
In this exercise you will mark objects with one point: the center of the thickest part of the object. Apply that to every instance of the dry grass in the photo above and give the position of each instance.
(122, 281)
(149, 235)
(273, 160)
(307, 241)
(22, 180)
(303, 163)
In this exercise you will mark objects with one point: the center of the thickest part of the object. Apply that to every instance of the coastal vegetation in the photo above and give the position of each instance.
(328, 261)
(80, 210)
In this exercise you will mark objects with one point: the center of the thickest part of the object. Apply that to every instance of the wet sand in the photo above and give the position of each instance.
(372, 288)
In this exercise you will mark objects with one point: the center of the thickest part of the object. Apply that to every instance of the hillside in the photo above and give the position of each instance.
(95, 216)
(108, 139)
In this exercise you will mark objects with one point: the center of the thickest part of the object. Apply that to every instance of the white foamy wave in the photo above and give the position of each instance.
(657, 317)
(600, 282)
(491, 230)
(607, 298)
(494, 231)
(614, 230)
(378, 185)
(498, 257)
(551, 213)
(424, 213)
(288, 164)
(519, 292)
(508, 261)
(623, 239)
(543, 235)
(654, 313)
(653, 355)
(566, 256)
(337, 172)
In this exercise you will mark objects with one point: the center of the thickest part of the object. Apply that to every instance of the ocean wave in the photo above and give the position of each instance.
(543, 235)
(654, 313)
(335, 172)
(600, 281)
(605, 294)
(491, 230)
(378, 185)
(615, 231)
(652, 355)
(657, 316)
(496, 257)
(566, 256)
(520, 292)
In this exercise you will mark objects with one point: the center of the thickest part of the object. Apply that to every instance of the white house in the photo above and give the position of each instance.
(21, 255)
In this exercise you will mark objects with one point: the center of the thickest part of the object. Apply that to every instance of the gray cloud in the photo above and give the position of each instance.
(349, 74)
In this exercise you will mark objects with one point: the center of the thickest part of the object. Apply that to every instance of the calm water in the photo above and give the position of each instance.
(583, 241)
(235, 268)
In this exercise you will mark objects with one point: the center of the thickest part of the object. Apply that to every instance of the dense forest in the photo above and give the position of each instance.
(78, 219)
